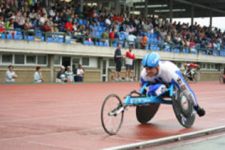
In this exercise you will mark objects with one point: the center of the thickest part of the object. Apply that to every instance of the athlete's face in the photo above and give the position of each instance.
(151, 72)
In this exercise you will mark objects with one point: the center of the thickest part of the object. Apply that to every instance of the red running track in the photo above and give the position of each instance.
(67, 116)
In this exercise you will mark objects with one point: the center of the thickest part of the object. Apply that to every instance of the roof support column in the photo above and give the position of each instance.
(117, 7)
(146, 8)
(171, 10)
(81, 5)
(51, 67)
(192, 14)
(210, 20)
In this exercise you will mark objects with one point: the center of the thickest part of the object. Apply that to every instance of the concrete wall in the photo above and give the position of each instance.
(92, 75)
(94, 51)
(77, 50)
(25, 75)
(210, 76)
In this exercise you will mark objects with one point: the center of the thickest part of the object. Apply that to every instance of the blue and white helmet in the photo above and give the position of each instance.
(151, 60)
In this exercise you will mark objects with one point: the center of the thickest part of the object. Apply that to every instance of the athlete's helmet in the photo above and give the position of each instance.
(151, 60)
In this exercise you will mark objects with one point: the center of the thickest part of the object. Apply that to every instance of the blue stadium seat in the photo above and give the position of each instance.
(122, 36)
(114, 44)
(30, 38)
(80, 21)
(222, 53)
(9, 36)
(215, 53)
(97, 34)
(176, 50)
(97, 43)
(38, 33)
(3, 36)
(186, 50)
(84, 22)
(101, 44)
(68, 40)
(18, 37)
(59, 40)
(86, 42)
(106, 43)
(49, 39)
(147, 47)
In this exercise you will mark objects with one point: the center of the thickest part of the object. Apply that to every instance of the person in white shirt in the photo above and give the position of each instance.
(131, 39)
(38, 75)
(69, 74)
(10, 75)
(164, 73)
(80, 73)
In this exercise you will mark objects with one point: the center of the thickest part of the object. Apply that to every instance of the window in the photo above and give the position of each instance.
(208, 66)
(203, 65)
(111, 63)
(7, 59)
(19, 59)
(42, 60)
(31, 59)
(85, 61)
(57, 60)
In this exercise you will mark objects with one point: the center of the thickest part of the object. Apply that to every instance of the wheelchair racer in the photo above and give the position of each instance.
(156, 74)
(190, 69)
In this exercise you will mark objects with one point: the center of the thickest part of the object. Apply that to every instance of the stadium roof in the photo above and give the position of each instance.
(183, 8)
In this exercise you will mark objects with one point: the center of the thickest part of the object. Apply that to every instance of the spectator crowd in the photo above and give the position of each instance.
(99, 26)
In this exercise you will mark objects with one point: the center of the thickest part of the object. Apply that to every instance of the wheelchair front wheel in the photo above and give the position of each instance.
(112, 112)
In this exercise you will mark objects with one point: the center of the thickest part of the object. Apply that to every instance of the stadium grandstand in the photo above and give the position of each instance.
(52, 33)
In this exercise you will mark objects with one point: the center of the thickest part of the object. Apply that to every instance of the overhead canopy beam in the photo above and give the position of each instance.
(201, 6)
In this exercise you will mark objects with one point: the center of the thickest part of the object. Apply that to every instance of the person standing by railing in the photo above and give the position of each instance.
(118, 61)
(129, 63)
(80, 73)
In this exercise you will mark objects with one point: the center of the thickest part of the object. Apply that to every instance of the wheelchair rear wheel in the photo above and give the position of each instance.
(146, 112)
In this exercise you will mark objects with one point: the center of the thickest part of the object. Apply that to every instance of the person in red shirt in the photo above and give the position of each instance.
(111, 37)
(46, 27)
(68, 26)
(129, 63)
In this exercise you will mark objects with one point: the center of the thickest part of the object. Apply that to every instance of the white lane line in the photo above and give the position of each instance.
(165, 140)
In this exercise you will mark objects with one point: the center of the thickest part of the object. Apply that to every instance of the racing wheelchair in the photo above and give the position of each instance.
(112, 110)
